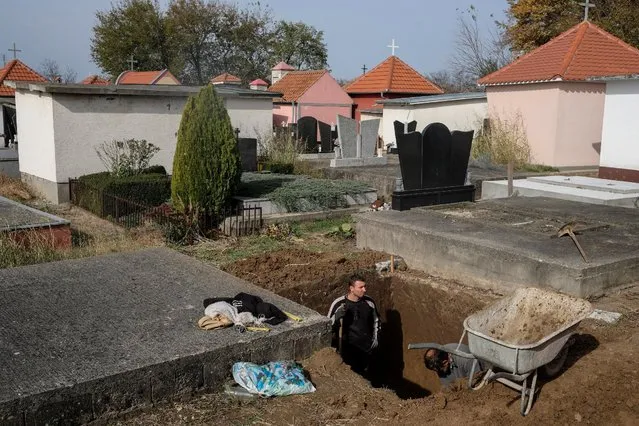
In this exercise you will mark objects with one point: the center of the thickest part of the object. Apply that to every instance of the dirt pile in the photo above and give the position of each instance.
(284, 269)
(529, 315)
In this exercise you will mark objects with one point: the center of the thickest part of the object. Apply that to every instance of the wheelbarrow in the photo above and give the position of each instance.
(517, 336)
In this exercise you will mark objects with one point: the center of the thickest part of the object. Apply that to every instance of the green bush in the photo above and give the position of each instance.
(304, 195)
(147, 189)
(206, 166)
(157, 169)
(281, 168)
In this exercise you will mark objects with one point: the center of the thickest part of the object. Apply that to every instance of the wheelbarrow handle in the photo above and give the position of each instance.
(441, 348)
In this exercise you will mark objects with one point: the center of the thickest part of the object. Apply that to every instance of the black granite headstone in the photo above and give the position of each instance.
(307, 132)
(399, 130)
(437, 142)
(409, 149)
(325, 136)
(433, 165)
(248, 153)
(460, 153)
(412, 126)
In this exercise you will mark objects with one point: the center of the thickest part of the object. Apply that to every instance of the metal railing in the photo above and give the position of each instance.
(234, 221)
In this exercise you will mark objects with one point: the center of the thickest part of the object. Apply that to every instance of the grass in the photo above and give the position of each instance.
(32, 248)
(537, 168)
(14, 189)
(310, 235)
(320, 226)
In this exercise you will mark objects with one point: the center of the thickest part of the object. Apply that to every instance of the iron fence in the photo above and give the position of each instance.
(233, 221)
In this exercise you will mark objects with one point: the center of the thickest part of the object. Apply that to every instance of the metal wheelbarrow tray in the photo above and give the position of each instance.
(525, 331)
(519, 334)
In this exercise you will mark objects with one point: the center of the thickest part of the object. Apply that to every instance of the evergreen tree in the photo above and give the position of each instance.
(206, 166)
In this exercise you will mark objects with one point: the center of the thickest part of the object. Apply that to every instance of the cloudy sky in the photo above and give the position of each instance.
(356, 32)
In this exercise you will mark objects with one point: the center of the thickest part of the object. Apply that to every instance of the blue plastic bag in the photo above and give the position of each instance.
(277, 378)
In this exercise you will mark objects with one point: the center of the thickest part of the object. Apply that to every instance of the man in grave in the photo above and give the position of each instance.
(356, 325)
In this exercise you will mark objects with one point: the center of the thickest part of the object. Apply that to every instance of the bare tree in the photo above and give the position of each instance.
(50, 69)
(474, 55)
(452, 82)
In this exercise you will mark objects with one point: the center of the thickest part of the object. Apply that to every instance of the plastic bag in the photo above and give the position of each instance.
(273, 379)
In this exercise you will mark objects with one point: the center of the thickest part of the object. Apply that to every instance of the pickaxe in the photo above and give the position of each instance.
(568, 229)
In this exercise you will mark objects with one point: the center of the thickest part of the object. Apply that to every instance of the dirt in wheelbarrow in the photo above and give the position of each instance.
(596, 386)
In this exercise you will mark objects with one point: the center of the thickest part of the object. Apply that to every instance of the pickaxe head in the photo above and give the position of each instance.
(566, 229)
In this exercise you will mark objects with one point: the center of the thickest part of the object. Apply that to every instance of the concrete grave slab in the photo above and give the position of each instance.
(84, 339)
(21, 220)
(506, 243)
(572, 188)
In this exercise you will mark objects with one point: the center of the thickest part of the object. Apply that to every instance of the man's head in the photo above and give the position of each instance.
(438, 361)
(356, 287)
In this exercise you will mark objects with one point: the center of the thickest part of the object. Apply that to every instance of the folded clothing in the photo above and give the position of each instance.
(229, 311)
(244, 302)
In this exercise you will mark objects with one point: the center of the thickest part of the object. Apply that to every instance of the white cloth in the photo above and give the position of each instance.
(230, 312)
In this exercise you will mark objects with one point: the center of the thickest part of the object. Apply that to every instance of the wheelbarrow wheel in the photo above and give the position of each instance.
(554, 367)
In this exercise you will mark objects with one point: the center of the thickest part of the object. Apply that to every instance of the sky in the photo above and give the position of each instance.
(356, 32)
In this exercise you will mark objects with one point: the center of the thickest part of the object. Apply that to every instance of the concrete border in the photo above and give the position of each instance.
(485, 255)
(87, 339)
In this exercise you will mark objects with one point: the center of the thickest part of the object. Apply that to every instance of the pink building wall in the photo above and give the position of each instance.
(581, 110)
(324, 101)
(562, 120)
(537, 105)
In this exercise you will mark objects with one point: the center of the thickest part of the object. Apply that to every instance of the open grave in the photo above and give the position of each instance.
(573, 188)
(411, 309)
(504, 243)
(25, 222)
(86, 339)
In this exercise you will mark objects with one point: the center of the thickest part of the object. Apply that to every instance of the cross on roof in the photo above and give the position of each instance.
(587, 5)
(131, 62)
(364, 69)
(393, 47)
(14, 50)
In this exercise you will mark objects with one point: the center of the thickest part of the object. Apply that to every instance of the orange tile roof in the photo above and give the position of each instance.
(393, 76)
(16, 70)
(283, 66)
(96, 80)
(294, 84)
(144, 77)
(577, 54)
(225, 78)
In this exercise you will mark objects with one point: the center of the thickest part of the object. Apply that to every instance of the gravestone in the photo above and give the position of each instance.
(409, 148)
(347, 129)
(248, 153)
(326, 136)
(460, 155)
(307, 132)
(433, 164)
(357, 149)
(401, 127)
(369, 130)
(437, 143)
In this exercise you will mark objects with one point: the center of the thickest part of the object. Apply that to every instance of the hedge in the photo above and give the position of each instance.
(151, 189)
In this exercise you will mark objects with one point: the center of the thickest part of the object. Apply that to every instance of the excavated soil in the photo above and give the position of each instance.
(596, 386)
(529, 316)
(410, 312)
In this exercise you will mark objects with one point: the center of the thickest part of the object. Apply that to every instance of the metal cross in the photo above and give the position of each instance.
(587, 5)
(364, 69)
(393, 47)
(131, 62)
(14, 50)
